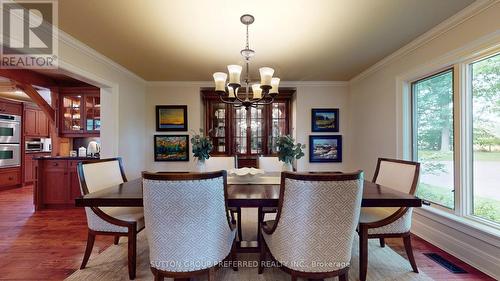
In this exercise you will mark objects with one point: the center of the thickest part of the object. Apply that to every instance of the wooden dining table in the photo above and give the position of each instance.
(244, 194)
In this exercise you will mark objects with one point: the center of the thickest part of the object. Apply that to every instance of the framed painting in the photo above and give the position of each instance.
(171, 118)
(171, 148)
(325, 120)
(325, 148)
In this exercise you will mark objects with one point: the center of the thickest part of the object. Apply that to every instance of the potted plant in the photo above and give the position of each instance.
(288, 151)
(201, 147)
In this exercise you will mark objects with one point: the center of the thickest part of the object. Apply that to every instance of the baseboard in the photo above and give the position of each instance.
(464, 250)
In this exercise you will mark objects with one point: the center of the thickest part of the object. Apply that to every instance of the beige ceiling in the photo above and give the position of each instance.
(301, 39)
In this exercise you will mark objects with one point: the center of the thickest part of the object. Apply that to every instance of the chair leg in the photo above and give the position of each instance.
(234, 257)
(409, 252)
(262, 258)
(233, 219)
(132, 251)
(117, 240)
(382, 242)
(159, 277)
(88, 249)
(240, 234)
(344, 277)
(211, 274)
(363, 253)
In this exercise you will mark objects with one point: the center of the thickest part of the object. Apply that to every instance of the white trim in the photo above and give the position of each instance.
(449, 242)
(82, 47)
(465, 14)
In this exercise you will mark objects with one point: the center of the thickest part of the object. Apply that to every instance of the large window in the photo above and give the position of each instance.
(433, 137)
(485, 85)
(456, 138)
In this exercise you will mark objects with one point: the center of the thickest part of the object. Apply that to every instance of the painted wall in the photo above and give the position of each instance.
(309, 95)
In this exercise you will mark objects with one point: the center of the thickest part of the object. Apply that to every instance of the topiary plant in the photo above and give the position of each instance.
(288, 150)
(202, 146)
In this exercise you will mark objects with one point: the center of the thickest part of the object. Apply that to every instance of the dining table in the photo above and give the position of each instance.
(245, 192)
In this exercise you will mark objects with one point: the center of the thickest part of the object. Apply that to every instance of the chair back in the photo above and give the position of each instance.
(213, 164)
(270, 164)
(317, 219)
(97, 175)
(400, 175)
(186, 220)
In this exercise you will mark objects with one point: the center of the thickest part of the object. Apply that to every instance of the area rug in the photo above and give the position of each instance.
(383, 263)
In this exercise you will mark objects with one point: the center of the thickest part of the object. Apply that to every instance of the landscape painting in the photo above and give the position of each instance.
(171, 118)
(325, 120)
(171, 147)
(325, 148)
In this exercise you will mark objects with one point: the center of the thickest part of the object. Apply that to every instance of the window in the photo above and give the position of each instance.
(485, 86)
(455, 135)
(433, 137)
(238, 131)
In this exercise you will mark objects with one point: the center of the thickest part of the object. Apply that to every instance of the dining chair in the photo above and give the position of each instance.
(314, 230)
(187, 224)
(378, 222)
(226, 163)
(116, 221)
(270, 164)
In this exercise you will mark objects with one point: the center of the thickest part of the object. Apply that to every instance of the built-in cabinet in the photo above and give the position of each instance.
(10, 177)
(56, 182)
(36, 123)
(29, 165)
(10, 107)
(79, 112)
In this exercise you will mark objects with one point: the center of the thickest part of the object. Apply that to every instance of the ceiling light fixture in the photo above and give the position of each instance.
(262, 94)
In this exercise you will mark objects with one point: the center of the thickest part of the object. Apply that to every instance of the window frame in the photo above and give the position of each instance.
(413, 129)
(463, 166)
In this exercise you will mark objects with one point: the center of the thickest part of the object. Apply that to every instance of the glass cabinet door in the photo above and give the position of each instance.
(218, 127)
(72, 115)
(92, 113)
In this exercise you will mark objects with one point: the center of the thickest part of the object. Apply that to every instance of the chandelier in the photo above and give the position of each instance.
(262, 94)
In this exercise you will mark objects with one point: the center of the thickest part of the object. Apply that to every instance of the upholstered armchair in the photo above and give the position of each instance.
(187, 223)
(115, 221)
(315, 226)
(377, 222)
(213, 164)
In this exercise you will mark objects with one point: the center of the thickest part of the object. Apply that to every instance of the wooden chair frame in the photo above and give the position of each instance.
(364, 227)
(159, 275)
(343, 273)
(131, 226)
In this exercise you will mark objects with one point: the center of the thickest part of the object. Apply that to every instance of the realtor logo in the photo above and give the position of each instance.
(29, 36)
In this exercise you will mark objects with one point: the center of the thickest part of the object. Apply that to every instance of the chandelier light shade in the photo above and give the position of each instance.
(220, 81)
(262, 94)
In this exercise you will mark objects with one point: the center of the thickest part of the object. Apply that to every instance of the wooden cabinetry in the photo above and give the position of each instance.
(36, 123)
(29, 165)
(247, 133)
(10, 107)
(10, 177)
(80, 112)
(56, 182)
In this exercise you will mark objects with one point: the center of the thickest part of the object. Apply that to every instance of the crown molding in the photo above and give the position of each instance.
(448, 24)
(210, 83)
(87, 50)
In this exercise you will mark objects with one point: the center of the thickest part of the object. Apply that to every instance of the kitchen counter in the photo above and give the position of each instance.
(56, 181)
(65, 158)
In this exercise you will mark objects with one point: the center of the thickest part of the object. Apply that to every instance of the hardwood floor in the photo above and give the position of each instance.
(49, 245)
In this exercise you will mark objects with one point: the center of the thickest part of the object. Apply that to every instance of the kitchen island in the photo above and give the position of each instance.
(56, 183)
